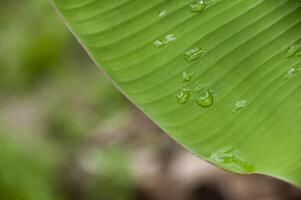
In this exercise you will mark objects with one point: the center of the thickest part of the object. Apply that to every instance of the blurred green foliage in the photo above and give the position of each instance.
(105, 164)
(43, 66)
(26, 169)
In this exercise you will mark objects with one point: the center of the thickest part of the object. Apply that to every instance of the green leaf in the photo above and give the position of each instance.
(220, 76)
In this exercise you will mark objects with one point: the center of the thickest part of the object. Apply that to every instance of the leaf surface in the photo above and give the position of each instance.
(223, 79)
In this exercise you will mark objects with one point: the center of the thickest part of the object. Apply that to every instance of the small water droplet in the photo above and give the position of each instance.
(183, 96)
(193, 54)
(162, 13)
(232, 159)
(293, 50)
(291, 72)
(187, 76)
(199, 88)
(205, 98)
(198, 5)
(239, 105)
(168, 39)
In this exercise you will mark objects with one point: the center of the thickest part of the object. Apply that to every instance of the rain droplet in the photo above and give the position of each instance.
(293, 50)
(198, 5)
(291, 72)
(199, 88)
(168, 39)
(183, 96)
(205, 98)
(193, 54)
(187, 76)
(232, 159)
(162, 13)
(239, 105)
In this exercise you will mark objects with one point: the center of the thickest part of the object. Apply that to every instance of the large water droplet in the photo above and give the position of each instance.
(187, 76)
(232, 159)
(239, 105)
(193, 54)
(205, 98)
(198, 5)
(168, 39)
(293, 50)
(183, 96)
(291, 72)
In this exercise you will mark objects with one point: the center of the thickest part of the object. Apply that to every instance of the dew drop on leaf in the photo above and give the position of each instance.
(291, 72)
(193, 54)
(198, 5)
(239, 105)
(168, 39)
(232, 159)
(162, 13)
(187, 76)
(293, 50)
(205, 98)
(183, 96)
(199, 88)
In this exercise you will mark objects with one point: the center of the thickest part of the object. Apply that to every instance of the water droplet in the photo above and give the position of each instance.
(183, 96)
(239, 105)
(232, 159)
(205, 98)
(162, 13)
(198, 5)
(187, 76)
(168, 39)
(293, 50)
(199, 88)
(291, 72)
(193, 54)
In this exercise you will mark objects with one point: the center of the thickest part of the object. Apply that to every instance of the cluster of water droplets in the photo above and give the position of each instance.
(200, 92)
(204, 97)
(195, 6)
(229, 157)
(233, 159)
(293, 51)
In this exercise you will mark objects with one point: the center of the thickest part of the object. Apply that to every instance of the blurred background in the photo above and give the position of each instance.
(67, 134)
